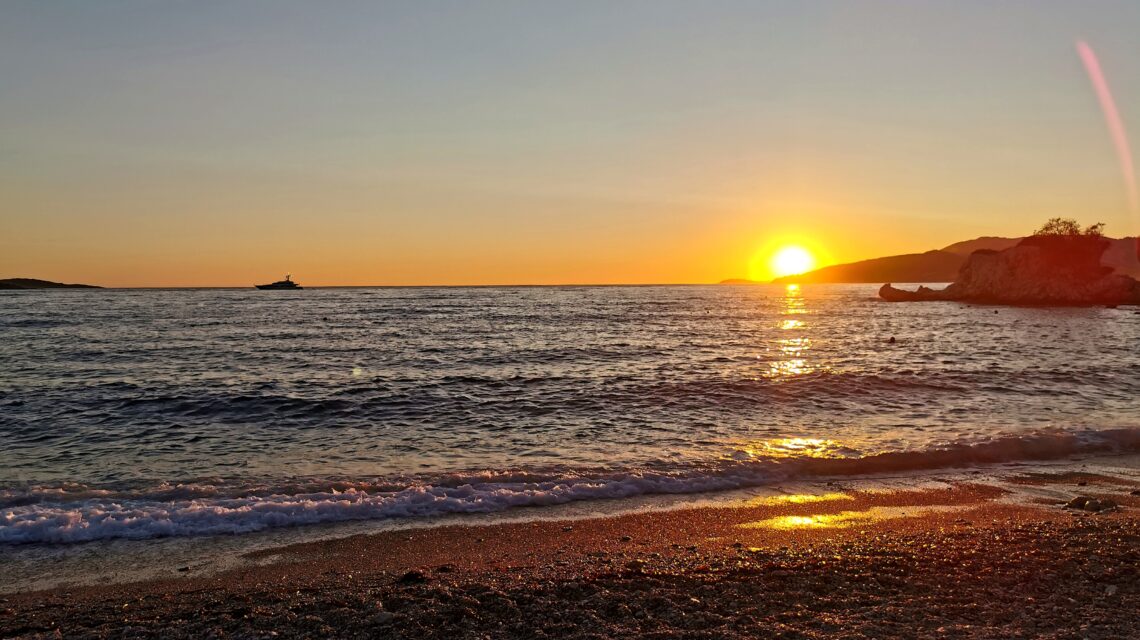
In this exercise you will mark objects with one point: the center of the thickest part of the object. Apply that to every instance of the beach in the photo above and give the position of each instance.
(955, 561)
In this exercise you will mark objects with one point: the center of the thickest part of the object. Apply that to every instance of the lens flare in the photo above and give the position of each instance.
(1112, 117)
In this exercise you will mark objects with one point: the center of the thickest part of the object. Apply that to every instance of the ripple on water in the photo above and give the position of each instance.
(161, 386)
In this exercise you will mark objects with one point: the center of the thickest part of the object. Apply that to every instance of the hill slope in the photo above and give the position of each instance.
(932, 266)
(993, 243)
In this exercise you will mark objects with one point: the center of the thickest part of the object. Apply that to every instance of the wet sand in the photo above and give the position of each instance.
(958, 562)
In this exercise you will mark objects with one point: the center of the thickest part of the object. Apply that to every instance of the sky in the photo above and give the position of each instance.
(225, 143)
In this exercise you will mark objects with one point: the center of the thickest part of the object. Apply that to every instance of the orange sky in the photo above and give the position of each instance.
(144, 144)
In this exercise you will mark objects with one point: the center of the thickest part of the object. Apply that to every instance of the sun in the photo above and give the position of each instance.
(791, 260)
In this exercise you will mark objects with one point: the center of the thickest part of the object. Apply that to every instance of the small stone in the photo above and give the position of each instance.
(626, 538)
(567, 528)
(413, 577)
(1134, 492)
(384, 617)
(183, 568)
(1110, 590)
(1092, 505)
(1082, 483)
(1077, 502)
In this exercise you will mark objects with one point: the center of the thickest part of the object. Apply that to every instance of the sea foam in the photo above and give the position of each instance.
(77, 513)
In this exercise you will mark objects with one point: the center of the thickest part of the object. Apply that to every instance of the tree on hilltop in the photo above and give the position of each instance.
(1069, 227)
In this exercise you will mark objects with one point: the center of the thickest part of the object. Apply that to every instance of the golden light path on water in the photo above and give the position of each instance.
(791, 360)
(792, 348)
(795, 448)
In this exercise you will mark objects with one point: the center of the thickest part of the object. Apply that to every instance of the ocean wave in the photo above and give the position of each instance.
(74, 512)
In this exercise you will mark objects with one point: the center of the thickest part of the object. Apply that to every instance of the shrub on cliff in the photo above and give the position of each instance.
(1067, 247)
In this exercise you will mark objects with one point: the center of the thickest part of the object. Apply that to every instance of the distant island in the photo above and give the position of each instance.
(941, 265)
(32, 283)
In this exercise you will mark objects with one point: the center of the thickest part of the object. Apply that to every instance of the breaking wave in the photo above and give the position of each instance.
(71, 513)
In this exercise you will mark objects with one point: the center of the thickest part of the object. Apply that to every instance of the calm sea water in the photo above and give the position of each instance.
(142, 413)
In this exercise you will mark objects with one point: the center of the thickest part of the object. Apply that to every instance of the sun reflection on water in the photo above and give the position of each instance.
(796, 448)
(791, 360)
(794, 346)
(788, 368)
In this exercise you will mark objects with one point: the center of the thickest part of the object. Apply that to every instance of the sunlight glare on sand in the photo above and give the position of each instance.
(845, 519)
(798, 498)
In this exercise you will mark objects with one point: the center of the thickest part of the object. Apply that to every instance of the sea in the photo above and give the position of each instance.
(143, 414)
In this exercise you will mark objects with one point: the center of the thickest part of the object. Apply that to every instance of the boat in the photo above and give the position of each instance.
(287, 283)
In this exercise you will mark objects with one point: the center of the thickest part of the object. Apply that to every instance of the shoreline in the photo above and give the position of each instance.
(793, 550)
(43, 566)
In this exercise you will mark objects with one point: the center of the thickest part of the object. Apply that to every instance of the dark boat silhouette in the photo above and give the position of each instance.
(280, 284)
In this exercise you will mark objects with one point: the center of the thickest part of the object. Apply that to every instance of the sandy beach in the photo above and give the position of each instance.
(957, 562)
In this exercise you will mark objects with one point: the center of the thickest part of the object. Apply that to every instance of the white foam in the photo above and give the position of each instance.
(97, 519)
(75, 513)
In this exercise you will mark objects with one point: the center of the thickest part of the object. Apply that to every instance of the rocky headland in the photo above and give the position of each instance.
(1040, 270)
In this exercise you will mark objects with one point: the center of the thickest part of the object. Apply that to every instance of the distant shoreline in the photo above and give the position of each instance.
(24, 284)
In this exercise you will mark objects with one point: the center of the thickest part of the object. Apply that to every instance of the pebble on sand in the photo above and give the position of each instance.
(413, 577)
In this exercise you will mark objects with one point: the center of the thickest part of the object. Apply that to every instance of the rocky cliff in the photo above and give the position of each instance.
(1039, 270)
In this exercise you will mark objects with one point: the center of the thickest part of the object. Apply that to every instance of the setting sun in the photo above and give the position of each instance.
(791, 261)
